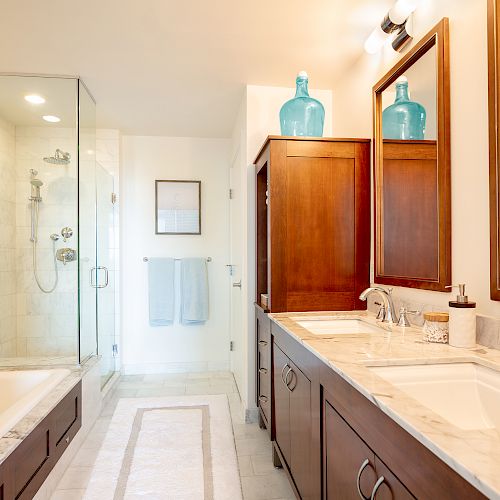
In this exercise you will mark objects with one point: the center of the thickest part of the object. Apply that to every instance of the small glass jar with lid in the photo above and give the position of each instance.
(436, 327)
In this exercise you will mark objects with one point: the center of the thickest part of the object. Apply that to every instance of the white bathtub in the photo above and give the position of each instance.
(21, 390)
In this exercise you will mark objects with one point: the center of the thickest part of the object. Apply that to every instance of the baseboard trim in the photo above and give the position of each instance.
(251, 415)
(189, 367)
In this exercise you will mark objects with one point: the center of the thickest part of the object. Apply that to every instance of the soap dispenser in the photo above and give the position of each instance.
(462, 320)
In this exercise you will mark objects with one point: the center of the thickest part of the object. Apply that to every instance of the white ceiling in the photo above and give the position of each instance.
(159, 67)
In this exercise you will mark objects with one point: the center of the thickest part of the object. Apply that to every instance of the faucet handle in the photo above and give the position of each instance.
(381, 311)
(403, 316)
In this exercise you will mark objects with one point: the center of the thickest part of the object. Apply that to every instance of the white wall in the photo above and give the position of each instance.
(173, 348)
(469, 137)
(258, 117)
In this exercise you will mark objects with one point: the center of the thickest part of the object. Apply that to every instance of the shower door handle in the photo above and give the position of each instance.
(106, 276)
(94, 273)
(92, 284)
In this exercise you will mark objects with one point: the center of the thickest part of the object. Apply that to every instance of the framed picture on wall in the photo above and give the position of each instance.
(177, 207)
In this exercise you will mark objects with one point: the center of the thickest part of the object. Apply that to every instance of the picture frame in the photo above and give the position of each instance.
(177, 207)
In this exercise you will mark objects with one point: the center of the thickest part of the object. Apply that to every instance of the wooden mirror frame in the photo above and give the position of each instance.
(437, 37)
(494, 139)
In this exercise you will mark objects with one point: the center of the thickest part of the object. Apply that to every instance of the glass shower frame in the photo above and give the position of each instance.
(83, 317)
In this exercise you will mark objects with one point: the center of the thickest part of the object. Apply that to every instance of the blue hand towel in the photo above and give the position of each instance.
(161, 291)
(194, 291)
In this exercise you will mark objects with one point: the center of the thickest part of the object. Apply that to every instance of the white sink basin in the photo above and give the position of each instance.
(465, 394)
(329, 326)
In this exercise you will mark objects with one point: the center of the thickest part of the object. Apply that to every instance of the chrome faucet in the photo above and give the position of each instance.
(390, 315)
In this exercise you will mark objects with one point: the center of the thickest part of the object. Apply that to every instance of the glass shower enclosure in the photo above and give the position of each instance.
(56, 218)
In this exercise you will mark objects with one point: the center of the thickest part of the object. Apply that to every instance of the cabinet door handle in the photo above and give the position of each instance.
(263, 343)
(379, 482)
(358, 479)
(282, 372)
(263, 399)
(263, 371)
(286, 379)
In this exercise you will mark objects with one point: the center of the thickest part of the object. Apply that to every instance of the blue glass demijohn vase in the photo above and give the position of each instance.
(302, 115)
(405, 119)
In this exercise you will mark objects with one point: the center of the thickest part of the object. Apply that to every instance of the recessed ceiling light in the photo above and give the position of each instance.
(34, 99)
(51, 118)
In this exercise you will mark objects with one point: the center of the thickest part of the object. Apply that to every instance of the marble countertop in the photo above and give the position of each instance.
(10, 441)
(474, 454)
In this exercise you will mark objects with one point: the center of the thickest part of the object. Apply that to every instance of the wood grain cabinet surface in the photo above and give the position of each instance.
(25, 470)
(313, 223)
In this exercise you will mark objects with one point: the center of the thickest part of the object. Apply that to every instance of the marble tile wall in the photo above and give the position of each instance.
(7, 240)
(46, 323)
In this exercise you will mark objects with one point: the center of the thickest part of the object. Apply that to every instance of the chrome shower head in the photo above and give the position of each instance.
(59, 158)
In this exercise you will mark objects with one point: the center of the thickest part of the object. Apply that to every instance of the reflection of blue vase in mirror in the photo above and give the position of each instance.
(405, 119)
(302, 115)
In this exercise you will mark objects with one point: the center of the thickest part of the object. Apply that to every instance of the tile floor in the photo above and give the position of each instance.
(259, 479)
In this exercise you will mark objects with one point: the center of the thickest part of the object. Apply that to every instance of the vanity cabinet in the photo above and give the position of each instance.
(26, 468)
(312, 223)
(292, 410)
(355, 430)
(330, 439)
(351, 468)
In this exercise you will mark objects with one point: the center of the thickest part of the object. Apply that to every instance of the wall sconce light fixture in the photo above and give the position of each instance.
(393, 24)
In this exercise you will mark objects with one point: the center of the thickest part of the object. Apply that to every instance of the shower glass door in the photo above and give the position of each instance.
(87, 224)
(105, 275)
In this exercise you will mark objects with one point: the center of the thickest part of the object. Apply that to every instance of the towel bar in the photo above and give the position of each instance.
(145, 259)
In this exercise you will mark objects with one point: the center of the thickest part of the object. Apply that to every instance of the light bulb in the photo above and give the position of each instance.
(402, 10)
(375, 41)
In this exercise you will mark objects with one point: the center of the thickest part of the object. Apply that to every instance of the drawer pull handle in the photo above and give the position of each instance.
(286, 379)
(263, 399)
(263, 371)
(358, 479)
(67, 439)
(283, 371)
(263, 343)
(379, 482)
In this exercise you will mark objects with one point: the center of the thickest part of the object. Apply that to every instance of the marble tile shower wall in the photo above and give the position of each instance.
(46, 323)
(7, 240)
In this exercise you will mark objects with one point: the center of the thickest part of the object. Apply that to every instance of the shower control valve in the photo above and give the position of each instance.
(66, 255)
(66, 233)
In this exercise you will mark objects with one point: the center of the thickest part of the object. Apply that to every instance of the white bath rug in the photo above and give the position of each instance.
(175, 448)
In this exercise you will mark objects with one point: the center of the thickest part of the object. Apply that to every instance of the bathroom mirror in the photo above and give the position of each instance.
(494, 123)
(412, 167)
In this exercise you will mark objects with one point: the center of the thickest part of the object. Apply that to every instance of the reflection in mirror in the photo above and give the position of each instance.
(412, 169)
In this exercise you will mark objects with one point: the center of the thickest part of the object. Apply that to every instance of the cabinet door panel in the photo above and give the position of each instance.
(391, 488)
(281, 403)
(300, 429)
(345, 454)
